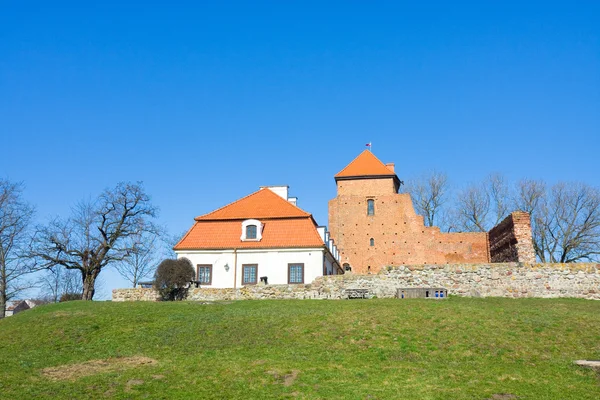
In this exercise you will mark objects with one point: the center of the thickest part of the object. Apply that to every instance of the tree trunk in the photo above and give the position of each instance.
(2, 306)
(2, 296)
(89, 282)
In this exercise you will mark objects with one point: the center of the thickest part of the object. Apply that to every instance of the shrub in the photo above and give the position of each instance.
(172, 278)
(69, 296)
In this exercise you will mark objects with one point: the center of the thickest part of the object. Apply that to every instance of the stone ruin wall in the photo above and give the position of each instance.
(511, 241)
(581, 280)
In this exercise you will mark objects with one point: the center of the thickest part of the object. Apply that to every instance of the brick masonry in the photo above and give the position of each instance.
(511, 239)
(472, 280)
(399, 234)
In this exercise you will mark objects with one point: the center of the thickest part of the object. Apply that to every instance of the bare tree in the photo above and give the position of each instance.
(473, 206)
(567, 224)
(60, 281)
(497, 190)
(484, 205)
(144, 258)
(96, 234)
(428, 194)
(15, 218)
(529, 195)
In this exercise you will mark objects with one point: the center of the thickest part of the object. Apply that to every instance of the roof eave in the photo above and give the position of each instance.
(348, 178)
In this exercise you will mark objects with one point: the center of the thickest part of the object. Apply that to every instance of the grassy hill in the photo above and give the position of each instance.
(458, 348)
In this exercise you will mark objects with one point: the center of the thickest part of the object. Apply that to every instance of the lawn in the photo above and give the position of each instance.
(459, 348)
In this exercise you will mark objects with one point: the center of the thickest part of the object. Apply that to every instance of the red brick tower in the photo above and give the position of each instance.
(374, 226)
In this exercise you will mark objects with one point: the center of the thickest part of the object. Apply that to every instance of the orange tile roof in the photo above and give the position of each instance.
(262, 204)
(277, 233)
(366, 164)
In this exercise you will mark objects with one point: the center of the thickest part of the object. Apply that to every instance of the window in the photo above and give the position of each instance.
(371, 242)
(204, 274)
(249, 274)
(251, 232)
(370, 207)
(295, 273)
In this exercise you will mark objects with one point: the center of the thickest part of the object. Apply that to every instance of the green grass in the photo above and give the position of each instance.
(459, 348)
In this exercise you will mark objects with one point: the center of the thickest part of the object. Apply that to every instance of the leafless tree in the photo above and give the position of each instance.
(428, 194)
(144, 259)
(15, 219)
(529, 195)
(484, 205)
(567, 224)
(97, 233)
(59, 281)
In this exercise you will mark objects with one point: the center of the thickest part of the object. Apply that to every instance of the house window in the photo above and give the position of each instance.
(370, 207)
(249, 274)
(295, 273)
(204, 274)
(251, 232)
(371, 242)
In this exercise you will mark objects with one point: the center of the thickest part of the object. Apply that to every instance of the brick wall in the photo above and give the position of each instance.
(511, 239)
(398, 233)
(475, 280)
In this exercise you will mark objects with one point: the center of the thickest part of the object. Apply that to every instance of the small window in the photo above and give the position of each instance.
(251, 232)
(371, 242)
(370, 207)
(204, 274)
(249, 274)
(295, 273)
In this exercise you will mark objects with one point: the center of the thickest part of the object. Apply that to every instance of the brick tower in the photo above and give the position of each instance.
(375, 226)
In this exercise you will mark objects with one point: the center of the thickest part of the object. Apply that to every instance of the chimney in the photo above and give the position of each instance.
(390, 166)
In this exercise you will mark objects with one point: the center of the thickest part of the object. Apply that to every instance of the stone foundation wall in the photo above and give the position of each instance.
(475, 280)
(138, 294)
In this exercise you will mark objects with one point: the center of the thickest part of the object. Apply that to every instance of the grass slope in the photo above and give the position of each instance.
(458, 348)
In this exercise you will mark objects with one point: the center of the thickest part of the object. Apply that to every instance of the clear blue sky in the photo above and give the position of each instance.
(205, 103)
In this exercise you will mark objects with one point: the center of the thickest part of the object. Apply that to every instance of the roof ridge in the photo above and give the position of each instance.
(350, 163)
(274, 196)
(227, 205)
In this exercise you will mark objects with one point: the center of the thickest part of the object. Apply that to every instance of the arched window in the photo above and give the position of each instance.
(251, 232)
(371, 242)
(370, 207)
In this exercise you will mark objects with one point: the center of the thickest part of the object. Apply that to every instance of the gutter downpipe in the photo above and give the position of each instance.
(235, 273)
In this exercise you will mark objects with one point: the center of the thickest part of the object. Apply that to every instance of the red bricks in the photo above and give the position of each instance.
(398, 233)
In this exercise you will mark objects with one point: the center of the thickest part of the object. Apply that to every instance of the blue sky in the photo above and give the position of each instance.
(204, 103)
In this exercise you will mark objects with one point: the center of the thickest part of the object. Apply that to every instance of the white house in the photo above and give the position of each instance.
(263, 236)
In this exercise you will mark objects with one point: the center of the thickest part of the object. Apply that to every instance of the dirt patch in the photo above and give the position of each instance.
(133, 382)
(284, 379)
(93, 367)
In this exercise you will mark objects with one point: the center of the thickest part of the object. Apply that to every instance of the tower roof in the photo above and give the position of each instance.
(366, 165)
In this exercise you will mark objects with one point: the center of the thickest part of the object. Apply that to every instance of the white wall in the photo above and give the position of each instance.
(272, 263)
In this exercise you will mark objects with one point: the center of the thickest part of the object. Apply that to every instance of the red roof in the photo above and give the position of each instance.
(277, 233)
(284, 225)
(262, 204)
(366, 164)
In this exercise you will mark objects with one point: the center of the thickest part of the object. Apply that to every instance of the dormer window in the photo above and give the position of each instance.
(251, 230)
